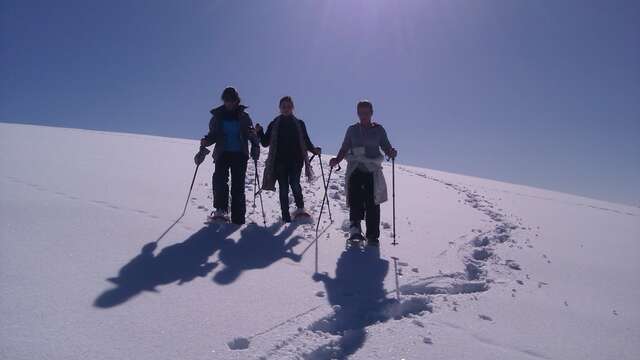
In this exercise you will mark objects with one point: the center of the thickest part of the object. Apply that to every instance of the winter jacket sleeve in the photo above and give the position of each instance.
(346, 143)
(253, 138)
(265, 138)
(307, 141)
(210, 138)
(384, 141)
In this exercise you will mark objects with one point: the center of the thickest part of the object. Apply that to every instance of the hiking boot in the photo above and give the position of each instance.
(220, 213)
(299, 212)
(354, 229)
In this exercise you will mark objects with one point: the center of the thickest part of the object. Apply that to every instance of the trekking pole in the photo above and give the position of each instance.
(199, 158)
(184, 211)
(326, 186)
(322, 206)
(325, 197)
(395, 266)
(264, 217)
(255, 189)
(393, 192)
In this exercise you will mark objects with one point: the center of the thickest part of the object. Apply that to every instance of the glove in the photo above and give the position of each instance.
(201, 155)
(255, 153)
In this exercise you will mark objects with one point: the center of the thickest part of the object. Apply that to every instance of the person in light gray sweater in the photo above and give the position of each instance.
(366, 187)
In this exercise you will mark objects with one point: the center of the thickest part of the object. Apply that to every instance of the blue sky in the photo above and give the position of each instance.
(543, 93)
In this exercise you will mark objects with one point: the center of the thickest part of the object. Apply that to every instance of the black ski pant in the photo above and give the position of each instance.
(236, 162)
(362, 204)
(288, 175)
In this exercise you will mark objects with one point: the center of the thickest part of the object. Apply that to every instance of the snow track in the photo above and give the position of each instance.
(356, 304)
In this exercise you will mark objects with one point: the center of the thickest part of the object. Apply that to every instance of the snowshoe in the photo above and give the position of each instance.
(373, 242)
(218, 217)
(355, 235)
(301, 215)
(355, 240)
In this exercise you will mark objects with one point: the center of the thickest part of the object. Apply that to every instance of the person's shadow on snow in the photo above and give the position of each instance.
(358, 297)
(257, 248)
(179, 263)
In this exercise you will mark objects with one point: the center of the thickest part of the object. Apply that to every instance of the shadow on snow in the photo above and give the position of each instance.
(359, 299)
(182, 262)
(257, 248)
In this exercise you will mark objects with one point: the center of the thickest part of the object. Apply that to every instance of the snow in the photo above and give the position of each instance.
(483, 269)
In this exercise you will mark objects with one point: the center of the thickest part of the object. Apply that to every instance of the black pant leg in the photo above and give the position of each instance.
(372, 209)
(213, 187)
(282, 175)
(356, 196)
(295, 171)
(221, 179)
(238, 199)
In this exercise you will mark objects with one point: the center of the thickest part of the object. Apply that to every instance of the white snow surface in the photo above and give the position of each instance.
(483, 269)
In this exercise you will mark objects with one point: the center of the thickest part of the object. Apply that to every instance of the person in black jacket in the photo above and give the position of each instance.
(288, 143)
(230, 129)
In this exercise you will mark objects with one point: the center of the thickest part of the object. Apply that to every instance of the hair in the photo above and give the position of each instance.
(230, 94)
(286, 99)
(364, 104)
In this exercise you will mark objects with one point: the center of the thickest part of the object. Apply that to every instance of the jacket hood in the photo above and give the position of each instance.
(292, 116)
(220, 108)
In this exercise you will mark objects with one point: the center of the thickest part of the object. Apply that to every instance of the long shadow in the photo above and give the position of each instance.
(179, 263)
(359, 299)
(257, 248)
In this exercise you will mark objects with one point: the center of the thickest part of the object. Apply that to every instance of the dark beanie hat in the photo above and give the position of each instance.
(230, 94)
(365, 104)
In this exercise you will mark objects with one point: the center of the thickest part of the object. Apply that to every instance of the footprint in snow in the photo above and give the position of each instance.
(239, 343)
(512, 264)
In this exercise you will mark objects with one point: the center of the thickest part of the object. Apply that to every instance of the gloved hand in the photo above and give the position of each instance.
(255, 153)
(201, 155)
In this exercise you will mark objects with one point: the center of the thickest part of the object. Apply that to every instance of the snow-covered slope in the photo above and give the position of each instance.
(484, 270)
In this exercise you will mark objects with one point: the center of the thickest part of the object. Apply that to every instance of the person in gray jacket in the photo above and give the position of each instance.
(365, 184)
(230, 129)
